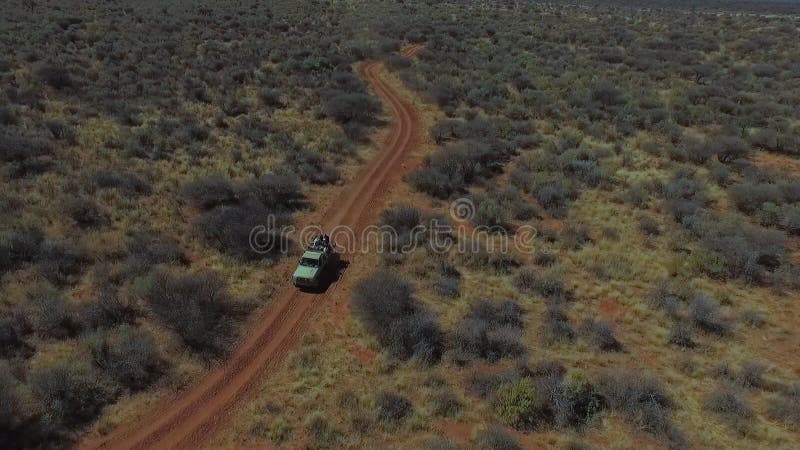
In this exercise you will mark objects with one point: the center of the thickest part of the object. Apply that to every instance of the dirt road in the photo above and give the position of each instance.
(193, 416)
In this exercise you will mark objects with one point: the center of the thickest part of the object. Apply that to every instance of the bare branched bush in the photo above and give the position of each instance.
(392, 408)
(547, 284)
(72, 394)
(786, 408)
(557, 327)
(705, 315)
(209, 192)
(730, 404)
(50, 315)
(384, 303)
(126, 182)
(108, 309)
(85, 212)
(495, 438)
(491, 331)
(130, 357)
(198, 308)
(601, 334)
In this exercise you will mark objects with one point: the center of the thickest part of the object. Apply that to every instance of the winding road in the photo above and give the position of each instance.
(192, 417)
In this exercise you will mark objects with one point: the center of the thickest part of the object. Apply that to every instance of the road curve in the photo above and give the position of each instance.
(196, 414)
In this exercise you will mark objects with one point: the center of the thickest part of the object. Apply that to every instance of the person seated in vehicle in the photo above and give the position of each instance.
(326, 243)
(323, 243)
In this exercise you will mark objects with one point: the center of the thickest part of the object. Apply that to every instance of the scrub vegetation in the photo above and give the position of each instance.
(654, 146)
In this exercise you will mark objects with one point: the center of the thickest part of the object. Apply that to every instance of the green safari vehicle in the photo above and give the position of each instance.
(318, 257)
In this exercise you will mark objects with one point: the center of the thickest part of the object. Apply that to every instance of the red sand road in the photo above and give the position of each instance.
(196, 414)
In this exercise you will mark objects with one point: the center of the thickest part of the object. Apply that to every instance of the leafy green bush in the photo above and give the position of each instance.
(547, 400)
(517, 404)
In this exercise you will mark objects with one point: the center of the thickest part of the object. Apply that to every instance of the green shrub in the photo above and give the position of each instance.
(546, 399)
(518, 405)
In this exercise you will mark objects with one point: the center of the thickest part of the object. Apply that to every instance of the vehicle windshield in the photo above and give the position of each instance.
(308, 262)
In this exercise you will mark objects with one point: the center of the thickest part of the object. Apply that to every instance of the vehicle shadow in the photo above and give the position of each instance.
(331, 275)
